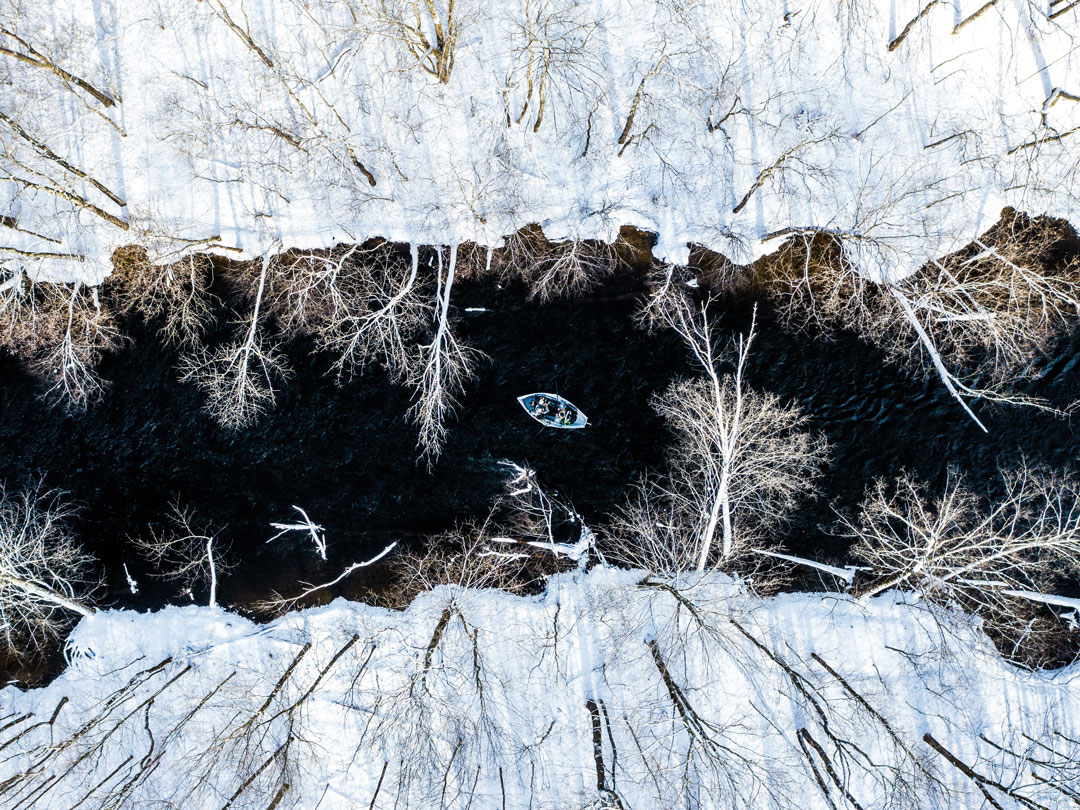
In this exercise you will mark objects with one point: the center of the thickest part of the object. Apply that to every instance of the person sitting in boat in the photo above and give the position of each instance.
(563, 415)
(542, 406)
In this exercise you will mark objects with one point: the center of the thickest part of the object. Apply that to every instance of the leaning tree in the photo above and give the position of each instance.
(44, 574)
(959, 548)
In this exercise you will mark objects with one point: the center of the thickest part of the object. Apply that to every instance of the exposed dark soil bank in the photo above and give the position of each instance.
(347, 455)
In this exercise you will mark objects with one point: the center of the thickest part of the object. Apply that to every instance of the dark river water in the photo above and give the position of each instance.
(347, 455)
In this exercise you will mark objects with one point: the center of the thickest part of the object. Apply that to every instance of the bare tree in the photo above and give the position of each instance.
(428, 29)
(554, 62)
(445, 365)
(12, 301)
(465, 558)
(433, 707)
(63, 204)
(62, 331)
(278, 604)
(813, 285)
(37, 168)
(995, 308)
(18, 309)
(518, 543)
(44, 574)
(685, 60)
(239, 376)
(366, 303)
(362, 303)
(528, 517)
(985, 312)
(177, 292)
(960, 549)
(555, 269)
(185, 551)
(740, 459)
(18, 48)
(81, 330)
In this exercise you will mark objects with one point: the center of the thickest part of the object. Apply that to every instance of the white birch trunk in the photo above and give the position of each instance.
(213, 571)
(46, 594)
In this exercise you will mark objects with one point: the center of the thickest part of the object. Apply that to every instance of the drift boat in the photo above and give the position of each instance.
(553, 411)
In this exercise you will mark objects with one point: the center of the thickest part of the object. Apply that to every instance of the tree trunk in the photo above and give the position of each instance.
(710, 532)
(47, 594)
(886, 584)
(213, 571)
(729, 535)
(720, 513)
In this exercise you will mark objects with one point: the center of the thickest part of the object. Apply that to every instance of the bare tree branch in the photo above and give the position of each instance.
(185, 552)
(740, 459)
(43, 572)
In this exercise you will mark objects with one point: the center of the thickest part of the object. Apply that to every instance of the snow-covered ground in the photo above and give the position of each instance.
(245, 124)
(605, 691)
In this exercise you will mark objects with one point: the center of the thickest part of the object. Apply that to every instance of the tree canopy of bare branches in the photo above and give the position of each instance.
(44, 575)
(555, 269)
(177, 293)
(429, 30)
(366, 302)
(959, 549)
(551, 43)
(62, 330)
(239, 377)
(440, 374)
(518, 543)
(186, 551)
(362, 303)
(740, 459)
(1002, 301)
(986, 312)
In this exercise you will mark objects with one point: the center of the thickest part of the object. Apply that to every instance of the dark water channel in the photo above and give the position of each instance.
(347, 455)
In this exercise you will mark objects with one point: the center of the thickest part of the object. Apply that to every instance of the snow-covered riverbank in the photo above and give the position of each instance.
(900, 126)
(605, 691)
